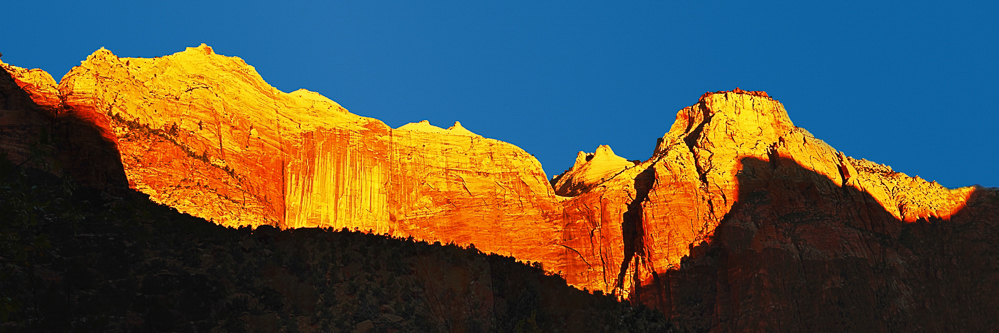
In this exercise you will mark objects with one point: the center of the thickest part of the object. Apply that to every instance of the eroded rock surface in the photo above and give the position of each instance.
(205, 134)
(739, 219)
(742, 220)
(589, 170)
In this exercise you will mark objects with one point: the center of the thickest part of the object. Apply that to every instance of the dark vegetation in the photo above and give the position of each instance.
(82, 259)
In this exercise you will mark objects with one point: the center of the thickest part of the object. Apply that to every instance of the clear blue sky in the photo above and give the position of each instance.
(911, 84)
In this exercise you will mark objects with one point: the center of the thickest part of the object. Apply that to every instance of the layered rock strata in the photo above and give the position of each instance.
(659, 209)
(205, 134)
(738, 220)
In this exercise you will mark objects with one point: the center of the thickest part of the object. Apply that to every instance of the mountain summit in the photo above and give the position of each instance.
(739, 219)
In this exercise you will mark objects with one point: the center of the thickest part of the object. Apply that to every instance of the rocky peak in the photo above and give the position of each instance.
(204, 133)
(461, 130)
(590, 169)
(38, 84)
(739, 219)
(718, 151)
(425, 126)
(746, 117)
(203, 48)
(37, 129)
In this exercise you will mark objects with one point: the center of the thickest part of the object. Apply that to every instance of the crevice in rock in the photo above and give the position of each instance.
(632, 230)
(692, 136)
(842, 170)
(581, 257)
(691, 141)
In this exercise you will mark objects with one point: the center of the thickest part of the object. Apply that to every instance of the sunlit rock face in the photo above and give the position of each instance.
(37, 130)
(589, 170)
(739, 214)
(204, 133)
(738, 220)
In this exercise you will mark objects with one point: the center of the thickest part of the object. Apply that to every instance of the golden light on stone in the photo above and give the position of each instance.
(205, 134)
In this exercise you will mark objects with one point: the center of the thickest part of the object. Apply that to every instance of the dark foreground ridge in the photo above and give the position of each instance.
(81, 259)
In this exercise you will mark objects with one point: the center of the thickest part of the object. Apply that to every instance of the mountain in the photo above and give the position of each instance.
(738, 221)
(79, 259)
(742, 221)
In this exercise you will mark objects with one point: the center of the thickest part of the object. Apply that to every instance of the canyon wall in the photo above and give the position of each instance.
(657, 210)
(205, 134)
(742, 221)
(738, 220)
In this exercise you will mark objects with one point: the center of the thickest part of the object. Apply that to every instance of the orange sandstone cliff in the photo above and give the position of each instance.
(739, 220)
(676, 199)
(742, 221)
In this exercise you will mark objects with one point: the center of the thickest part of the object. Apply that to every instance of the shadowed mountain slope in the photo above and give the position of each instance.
(80, 259)
(733, 177)
(796, 253)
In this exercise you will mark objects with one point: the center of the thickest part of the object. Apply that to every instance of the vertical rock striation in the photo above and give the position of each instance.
(205, 134)
(738, 221)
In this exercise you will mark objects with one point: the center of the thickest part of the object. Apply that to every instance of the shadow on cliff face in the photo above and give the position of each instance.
(59, 141)
(631, 226)
(799, 253)
(81, 261)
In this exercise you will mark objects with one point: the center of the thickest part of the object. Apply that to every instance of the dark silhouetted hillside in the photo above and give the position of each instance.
(80, 259)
